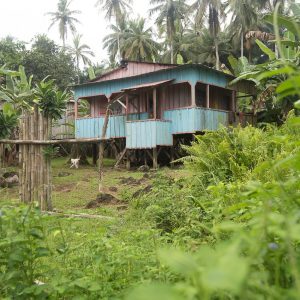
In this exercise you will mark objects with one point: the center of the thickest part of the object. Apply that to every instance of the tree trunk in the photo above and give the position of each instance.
(78, 71)
(217, 56)
(242, 43)
(172, 51)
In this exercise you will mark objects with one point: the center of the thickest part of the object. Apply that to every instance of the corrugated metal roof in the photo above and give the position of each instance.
(147, 85)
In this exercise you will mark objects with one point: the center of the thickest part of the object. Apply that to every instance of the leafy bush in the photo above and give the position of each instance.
(237, 216)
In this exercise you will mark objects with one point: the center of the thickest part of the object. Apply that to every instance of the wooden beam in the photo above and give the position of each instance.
(207, 96)
(193, 95)
(154, 104)
(52, 142)
(120, 158)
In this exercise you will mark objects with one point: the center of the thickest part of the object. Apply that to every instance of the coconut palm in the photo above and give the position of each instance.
(114, 41)
(211, 11)
(245, 17)
(169, 12)
(115, 8)
(65, 19)
(81, 52)
(139, 44)
(205, 48)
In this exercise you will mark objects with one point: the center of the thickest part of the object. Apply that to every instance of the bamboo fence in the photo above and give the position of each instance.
(35, 167)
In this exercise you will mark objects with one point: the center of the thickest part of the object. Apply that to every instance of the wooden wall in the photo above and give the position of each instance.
(98, 106)
(173, 96)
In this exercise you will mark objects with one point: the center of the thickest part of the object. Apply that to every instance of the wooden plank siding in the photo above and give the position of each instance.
(148, 134)
(192, 119)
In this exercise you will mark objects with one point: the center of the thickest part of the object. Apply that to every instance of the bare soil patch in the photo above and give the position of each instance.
(104, 199)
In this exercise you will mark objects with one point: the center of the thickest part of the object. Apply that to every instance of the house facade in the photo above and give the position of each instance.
(153, 107)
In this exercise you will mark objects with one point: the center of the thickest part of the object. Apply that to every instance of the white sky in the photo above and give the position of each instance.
(23, 19)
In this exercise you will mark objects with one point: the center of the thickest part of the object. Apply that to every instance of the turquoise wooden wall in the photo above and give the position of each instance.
(92, 127)
(148, 134)
(190, 73)
(188, 120)
(145, 133)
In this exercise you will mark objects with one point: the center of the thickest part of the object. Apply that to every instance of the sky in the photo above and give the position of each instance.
(23, 19)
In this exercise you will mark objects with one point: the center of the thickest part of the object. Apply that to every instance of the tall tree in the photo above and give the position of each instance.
(211, 11)
(169, 12)
(12, 52)
(139, 44)
(114, 42)
(65, 19)
(81, 52)
(115, 9)
(47, 59)
(245, 17)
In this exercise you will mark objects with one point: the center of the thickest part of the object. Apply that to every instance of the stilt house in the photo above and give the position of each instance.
(154, 106)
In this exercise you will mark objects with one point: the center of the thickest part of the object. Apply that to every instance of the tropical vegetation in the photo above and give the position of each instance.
(224, 225)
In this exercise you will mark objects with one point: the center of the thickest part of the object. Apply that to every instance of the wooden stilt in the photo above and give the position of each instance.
(172, 157)
(128, 160)
(95, 154)
(155, 164)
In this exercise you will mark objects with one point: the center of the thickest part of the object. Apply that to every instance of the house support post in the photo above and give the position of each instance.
(154, 104)
(172, 157)
(207, 96)
(95, 154)
(127, 105)
(76, 109)
(128, 160)
(233, 107)
(193, 95)
(155, 155)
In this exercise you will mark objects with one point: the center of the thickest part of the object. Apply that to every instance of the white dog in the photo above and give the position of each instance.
(75, 162)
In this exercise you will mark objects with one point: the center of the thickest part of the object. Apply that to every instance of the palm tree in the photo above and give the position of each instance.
(114, 41)
(211, 11)
(139, 44)
(169, 12)
(65, 19)
(205, 47)
(81, 52)
(115, 8)
(245, 17)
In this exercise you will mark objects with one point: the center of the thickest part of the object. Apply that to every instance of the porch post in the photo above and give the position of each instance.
(76, 109)
(154, 103)
(127, 103)
(207, 96)
(193, 95)
(233, 101)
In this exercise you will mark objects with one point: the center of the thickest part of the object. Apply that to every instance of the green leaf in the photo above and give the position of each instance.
(285, 22)
(268, 74)
(266, 50)
(178, 261)
(155, 292)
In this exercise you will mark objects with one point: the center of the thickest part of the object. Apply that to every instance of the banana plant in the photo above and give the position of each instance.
(8, 120)
(278, 80)
(17, 88)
